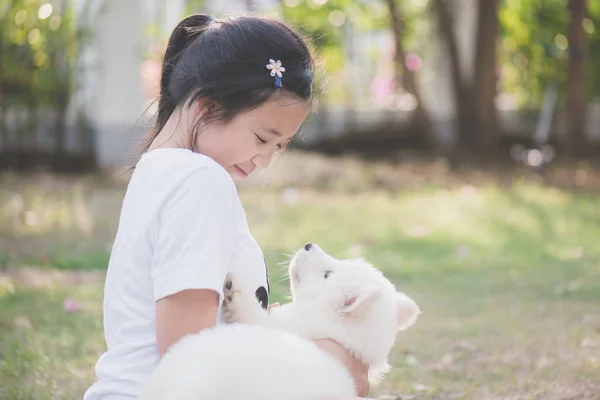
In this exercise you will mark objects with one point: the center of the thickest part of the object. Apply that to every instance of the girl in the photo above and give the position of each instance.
(232, 92)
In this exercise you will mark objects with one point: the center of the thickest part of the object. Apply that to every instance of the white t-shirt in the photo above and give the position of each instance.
(182, 226)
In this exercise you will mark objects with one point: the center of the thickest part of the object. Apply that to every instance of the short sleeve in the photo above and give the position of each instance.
(193, 246)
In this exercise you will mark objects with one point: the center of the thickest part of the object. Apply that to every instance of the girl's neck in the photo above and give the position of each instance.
(175, 133)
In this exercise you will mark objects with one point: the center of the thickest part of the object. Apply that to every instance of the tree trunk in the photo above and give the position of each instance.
(464, 135)
(485, 80)
(574, 143)
(421, 117)
(3, 129)
(31, 137)
(3, 133)
(85, 131)
(60, 123)
(3, 126)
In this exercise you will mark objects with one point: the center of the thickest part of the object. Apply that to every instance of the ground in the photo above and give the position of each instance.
(506, 271)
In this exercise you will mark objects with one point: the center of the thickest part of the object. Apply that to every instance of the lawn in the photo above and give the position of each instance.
(508, 278)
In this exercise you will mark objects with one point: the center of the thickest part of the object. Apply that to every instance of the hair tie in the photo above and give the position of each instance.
(276, 70)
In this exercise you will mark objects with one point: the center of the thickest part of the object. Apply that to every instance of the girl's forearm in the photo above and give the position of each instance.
(359, 371)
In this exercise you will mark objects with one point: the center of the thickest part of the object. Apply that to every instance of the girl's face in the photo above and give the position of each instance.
(249, 140)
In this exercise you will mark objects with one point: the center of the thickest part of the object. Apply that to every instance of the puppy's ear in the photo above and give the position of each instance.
(407, 310)
(357, 302)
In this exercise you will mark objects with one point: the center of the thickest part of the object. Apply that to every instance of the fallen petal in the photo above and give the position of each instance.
(71, 305)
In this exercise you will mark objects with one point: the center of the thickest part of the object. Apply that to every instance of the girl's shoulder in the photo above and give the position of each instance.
(182, 161)
(182, 180)
(174, 167)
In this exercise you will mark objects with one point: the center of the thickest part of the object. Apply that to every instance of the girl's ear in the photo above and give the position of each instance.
(204, 106)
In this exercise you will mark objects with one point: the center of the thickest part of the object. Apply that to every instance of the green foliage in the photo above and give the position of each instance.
(193, 6)
(328, 25)
(592, 26)
(40, 44)
(534, 47)
(324, 21)
(334, 27)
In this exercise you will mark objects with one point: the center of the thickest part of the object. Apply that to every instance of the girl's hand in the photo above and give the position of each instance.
(358, 370)
(274, 305)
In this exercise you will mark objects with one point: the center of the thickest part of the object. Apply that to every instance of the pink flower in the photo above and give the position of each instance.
(413, 62)
(72, 305)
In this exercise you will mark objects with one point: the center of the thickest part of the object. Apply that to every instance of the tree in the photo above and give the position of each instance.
(464, 114)
(476, 120)
(544, 44)
(40, 46)
(577, 79)
(485, 81)
(421, 118)
(533, 48)
(331, 26)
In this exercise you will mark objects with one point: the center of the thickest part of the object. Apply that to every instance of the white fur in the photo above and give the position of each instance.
(266, 355)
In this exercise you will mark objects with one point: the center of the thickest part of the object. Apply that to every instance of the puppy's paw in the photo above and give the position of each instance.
(240, 303)
(230, 293)
(228, 289)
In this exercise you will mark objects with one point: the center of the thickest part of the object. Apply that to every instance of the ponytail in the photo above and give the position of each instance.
(188, 30)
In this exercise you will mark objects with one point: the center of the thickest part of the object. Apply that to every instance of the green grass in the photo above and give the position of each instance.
(508, 280)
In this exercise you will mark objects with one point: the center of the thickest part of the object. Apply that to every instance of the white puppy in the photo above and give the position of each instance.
(265, 356)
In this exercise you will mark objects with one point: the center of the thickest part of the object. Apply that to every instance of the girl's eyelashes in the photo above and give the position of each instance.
(261, 140)
(279, 146)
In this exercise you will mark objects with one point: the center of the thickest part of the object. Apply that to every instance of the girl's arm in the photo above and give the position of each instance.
(184, 313)
(358, 370)
(190, 311)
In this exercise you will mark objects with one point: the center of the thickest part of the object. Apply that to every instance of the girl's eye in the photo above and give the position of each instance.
(261, 140)
(279, 146)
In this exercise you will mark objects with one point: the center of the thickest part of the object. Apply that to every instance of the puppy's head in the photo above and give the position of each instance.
(357, 295)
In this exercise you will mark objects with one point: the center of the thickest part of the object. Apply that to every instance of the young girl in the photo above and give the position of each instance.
(233, 91)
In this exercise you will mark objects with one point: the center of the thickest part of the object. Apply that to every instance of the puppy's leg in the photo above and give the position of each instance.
(241, 305)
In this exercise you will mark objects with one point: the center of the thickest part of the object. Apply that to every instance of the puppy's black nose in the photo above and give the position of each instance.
(307, 246)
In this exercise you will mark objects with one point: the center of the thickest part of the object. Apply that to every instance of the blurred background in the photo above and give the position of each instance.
(79, 77)
(455, 145)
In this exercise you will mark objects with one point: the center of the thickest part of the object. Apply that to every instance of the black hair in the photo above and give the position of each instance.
(224, 61)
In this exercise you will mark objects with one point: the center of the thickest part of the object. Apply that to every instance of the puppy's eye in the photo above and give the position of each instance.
(327, 274)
